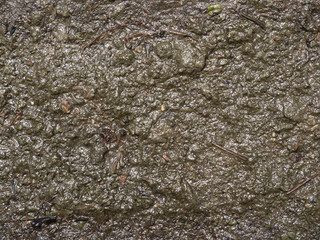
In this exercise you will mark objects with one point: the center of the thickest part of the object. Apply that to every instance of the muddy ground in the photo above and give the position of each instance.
(159, 119)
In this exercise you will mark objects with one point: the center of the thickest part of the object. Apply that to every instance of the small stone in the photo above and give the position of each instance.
(26, 181)
(189, 58)
(122, 132)
(126, 58)
(2, 29)
(138, 49)
(215, 9)
(163, 50)
(163, 108)
(308, 205)
(65, 12)
(161, 132)
(123, 178)
(295, 108)
(65, 106)
(61, 32)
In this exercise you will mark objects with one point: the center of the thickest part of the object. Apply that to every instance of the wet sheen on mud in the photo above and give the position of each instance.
(159, 119)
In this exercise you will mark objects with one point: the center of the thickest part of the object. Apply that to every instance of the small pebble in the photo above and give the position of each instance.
(122, 132)
(138, 49)
(307, 205)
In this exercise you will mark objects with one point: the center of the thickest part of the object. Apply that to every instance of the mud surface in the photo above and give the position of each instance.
(159, 119)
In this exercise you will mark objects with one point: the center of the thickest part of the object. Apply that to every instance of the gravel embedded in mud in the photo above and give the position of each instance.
(111, 113)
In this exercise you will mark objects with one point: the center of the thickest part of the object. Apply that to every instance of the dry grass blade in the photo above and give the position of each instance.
(238, 155)
(103, 35)
(302, 183)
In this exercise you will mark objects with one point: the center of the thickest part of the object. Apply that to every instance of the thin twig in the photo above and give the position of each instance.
(302, 183)
(104, 35)
(254, 20)
(93, 41)
(178, 33)
(238, 155)
(139, 35)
